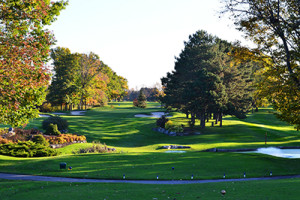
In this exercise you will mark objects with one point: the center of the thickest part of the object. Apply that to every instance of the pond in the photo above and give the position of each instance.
(153, 114)
(283, 153)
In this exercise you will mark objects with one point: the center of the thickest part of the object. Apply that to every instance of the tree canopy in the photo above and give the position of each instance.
(24, 49)
(83, 79)
(274, 26)
(205, 82)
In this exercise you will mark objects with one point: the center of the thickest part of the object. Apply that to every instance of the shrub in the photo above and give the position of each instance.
(96, 148)
(46, 107)
(26, 149)
(240, 115)
(3, 131)
(40, 139)
(174, 127)
(142, 100)
(162, 121)
(52, 130)
(169, 125)
(64, 138)
(62, 124)
(4, 141)
(135, 103)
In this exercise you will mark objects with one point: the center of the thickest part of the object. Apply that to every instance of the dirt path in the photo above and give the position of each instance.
(168, 182)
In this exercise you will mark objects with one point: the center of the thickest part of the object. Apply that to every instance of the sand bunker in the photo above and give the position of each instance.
(154, 114)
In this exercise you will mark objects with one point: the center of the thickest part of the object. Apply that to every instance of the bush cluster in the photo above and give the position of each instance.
(46, 107)
(96, 148)
(52, 130)
(64, 138)
(135, 103)
(40, 139)
(170, 126)
(4, 141)
(62, 124)
(20, 134)
(26, 149)
(161, 122)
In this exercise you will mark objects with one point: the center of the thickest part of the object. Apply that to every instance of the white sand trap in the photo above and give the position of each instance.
(72, 113)
(283, 153)
(58, 113)
(154, 114)
(42, 115)
(78, 112)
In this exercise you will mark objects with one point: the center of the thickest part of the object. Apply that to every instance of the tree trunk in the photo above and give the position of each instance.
(216, 118)
(192, 120)
(61, 107)
(202, 120)
(221, 119)
(187, 115)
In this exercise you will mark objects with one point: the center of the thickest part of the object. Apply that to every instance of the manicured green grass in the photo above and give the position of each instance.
(258, 190)
(138, 147)
(117, 127)
(202, 165)
(139, 156)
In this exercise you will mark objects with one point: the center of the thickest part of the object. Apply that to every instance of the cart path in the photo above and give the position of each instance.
(166, 182)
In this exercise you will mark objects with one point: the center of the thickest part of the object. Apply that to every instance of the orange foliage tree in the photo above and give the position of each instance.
(24, 48)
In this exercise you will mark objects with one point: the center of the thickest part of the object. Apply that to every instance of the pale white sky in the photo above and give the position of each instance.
(138, 39)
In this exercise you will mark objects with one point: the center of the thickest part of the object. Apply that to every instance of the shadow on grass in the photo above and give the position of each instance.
(150, 165)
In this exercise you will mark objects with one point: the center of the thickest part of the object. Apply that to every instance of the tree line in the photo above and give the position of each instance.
(207, 82)
(152, 94)
(83, 79)
(214, 76)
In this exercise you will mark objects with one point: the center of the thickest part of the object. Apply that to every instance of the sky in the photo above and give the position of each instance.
(139, 39)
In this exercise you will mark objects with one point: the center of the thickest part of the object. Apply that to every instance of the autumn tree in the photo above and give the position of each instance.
(87, 68)
(83, 79)
(24, 49)
(274, 26)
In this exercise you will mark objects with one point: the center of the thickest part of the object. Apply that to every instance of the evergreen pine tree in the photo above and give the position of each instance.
(142, 99)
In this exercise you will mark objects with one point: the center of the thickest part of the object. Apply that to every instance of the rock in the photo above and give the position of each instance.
(172, 134)
(175, 147)
(155, 129)
(210, 150)
(179, 134)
